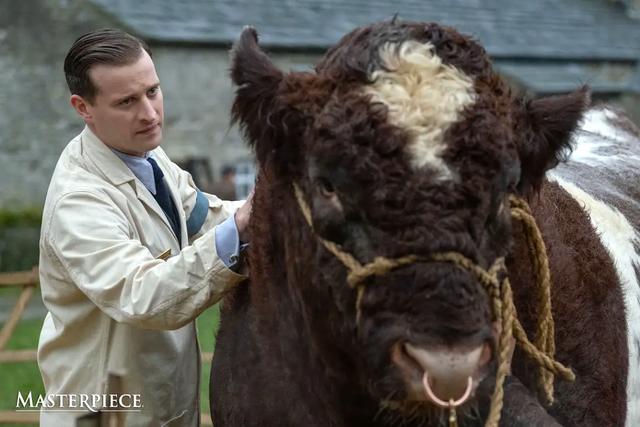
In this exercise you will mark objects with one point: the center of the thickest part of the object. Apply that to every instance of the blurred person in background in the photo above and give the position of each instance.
(226, 187)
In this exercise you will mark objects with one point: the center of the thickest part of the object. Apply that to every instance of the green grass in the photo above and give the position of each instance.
(26, 376)
(23, 376)
(11, 292)
(207, 326)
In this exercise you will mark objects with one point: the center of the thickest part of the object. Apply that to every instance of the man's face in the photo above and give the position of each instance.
(127, 111)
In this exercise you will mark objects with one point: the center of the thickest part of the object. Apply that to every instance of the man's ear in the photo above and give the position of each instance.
(544, 134)
(262, 105)
(81, 106)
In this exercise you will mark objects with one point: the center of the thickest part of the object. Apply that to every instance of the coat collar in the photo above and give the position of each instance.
(110, 166)
(117, 172)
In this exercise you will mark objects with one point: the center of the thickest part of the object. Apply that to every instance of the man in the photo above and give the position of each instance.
(226, 187)
(130, 251)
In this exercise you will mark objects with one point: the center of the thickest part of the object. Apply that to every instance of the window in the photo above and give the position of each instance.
(245, 178)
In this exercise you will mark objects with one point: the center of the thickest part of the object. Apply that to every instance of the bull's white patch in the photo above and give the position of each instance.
(600, 121)
(618, 237)
(424, 96)
(598, 133)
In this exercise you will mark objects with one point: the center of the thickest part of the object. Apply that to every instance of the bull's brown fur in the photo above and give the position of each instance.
(588, 311)
(289, 352)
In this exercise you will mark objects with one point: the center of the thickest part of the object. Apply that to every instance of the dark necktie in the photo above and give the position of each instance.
(163, 197)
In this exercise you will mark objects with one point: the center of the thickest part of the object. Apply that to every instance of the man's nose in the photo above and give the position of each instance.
(147, 111)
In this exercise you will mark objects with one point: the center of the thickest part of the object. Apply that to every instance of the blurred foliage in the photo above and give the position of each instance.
(19, 247)
(31, 216)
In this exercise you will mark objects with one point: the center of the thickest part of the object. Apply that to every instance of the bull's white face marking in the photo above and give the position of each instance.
(618, 237)
(424, 96)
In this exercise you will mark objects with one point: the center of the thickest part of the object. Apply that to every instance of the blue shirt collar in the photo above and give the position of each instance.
(140, 167)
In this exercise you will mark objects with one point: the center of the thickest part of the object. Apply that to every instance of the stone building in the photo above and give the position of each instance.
(543, 46)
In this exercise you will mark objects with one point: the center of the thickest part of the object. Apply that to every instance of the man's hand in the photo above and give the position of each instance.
(242, 216)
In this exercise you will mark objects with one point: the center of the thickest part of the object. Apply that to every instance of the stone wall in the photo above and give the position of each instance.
(197, 99)
(35, 117)
(36, 120)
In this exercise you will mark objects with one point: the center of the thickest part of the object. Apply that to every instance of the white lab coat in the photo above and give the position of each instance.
(114, 307)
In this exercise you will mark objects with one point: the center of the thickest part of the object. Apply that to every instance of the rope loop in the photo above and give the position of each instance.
(498, 288)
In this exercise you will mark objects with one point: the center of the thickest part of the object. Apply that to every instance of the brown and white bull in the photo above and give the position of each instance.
(405, 141)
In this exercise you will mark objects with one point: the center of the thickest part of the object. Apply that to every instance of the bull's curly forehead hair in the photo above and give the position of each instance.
(107, 46)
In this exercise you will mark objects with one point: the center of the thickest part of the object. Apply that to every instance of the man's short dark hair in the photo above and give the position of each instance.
(106, 46)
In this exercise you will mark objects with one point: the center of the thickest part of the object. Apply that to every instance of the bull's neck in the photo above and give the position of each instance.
(557, 216)
(544, 209)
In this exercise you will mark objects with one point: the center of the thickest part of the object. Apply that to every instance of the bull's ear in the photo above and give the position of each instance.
(256, 107)
(545, 138)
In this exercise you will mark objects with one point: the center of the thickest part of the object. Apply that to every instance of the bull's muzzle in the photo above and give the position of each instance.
(441, 374)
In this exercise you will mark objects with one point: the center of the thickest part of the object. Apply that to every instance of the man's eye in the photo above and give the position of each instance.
(153, 91)
(127, 101)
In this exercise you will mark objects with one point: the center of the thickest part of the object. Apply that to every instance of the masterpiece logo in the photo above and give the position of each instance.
(79, 402)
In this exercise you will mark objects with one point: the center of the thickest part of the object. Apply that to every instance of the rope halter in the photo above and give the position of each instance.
(498, 288)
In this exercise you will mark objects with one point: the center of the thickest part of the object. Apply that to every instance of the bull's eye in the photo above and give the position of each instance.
(326, 188)
(328, 210)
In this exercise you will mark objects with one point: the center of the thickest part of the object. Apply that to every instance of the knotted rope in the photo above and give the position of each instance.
(500, 294)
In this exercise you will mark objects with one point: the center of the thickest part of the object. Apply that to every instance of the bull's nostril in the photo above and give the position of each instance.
(485, 357)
